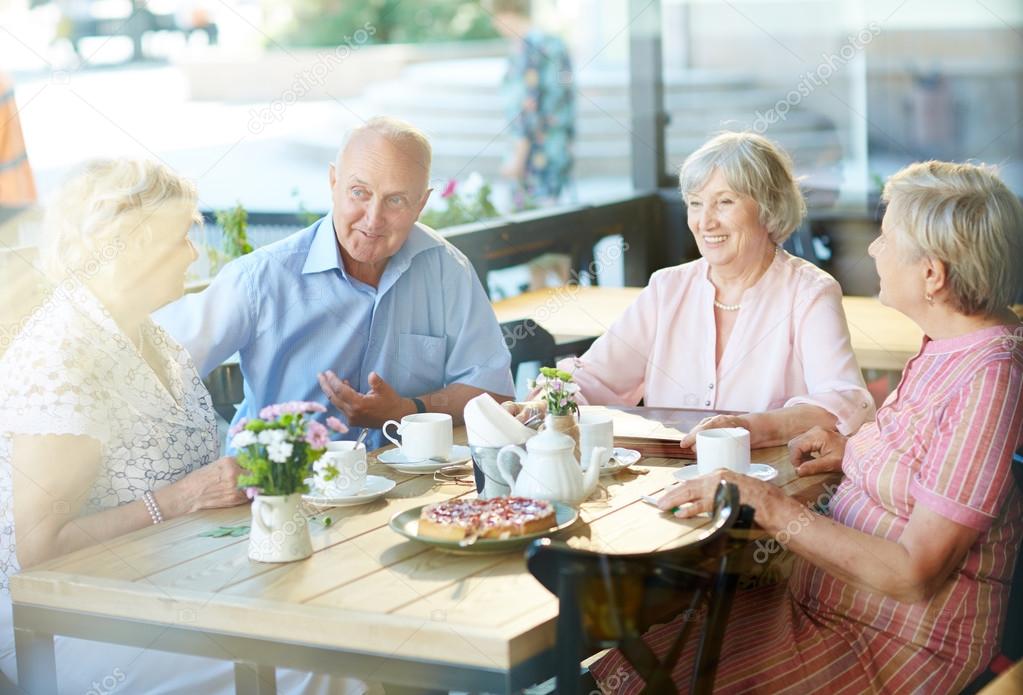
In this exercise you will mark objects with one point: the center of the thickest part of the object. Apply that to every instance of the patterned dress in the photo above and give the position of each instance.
(540, 106)
(71, 371)
(943, 439)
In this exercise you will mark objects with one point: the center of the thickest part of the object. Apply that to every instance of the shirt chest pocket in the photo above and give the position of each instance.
(421, 361)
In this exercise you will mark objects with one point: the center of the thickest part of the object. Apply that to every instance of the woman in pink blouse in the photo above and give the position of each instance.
(747, 327)
(904, 588)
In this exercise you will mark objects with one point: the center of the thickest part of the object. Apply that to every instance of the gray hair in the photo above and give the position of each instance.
(399, 133)
(964, 216)
(101, 204)
(755, 167)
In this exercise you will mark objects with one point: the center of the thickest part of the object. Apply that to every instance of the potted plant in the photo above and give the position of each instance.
(471, 204)
(235, 243)
(277, 451)
(557, 390)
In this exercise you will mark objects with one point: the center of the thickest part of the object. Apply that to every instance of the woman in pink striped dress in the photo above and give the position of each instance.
(904, 587)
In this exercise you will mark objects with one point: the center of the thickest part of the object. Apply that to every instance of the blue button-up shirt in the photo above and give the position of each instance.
(290, 311)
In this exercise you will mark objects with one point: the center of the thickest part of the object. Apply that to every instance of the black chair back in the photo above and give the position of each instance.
(1012, 631)
(1012, 638)
(612, 600)
(528, 341)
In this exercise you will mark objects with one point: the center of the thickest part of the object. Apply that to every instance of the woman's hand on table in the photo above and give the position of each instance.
(715, 422)
(211, 487)
(695, 496)
(817, 451)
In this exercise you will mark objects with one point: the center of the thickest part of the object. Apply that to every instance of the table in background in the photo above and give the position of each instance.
(369, 603)
(882, 338)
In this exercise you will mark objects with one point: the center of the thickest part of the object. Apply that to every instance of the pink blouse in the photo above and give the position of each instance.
(790, 345)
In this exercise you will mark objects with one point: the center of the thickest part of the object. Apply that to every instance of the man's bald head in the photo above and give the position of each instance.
(393, 139)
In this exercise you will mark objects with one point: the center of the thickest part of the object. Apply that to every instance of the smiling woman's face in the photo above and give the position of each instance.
(378, 192)
(726, 225)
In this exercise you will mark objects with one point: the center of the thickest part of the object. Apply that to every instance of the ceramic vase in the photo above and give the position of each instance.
(280, 531)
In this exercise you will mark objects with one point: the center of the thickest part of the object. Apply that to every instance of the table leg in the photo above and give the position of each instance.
(37, 666)
(254, 679)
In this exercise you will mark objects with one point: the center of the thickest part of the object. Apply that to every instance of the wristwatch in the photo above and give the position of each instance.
(420, 406)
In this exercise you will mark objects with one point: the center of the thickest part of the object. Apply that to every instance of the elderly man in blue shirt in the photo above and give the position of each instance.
(366, 308)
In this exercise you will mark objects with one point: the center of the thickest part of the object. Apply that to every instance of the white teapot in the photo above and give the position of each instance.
(550, 470)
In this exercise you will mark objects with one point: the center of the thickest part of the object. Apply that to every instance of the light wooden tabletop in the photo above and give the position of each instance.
(882, 338)
(366, 589)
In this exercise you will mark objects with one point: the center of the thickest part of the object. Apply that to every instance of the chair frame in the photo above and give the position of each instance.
(702, 571)
(1011, 650)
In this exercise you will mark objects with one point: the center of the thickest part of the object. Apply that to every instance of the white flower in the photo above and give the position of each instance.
(324, 467)
(243, 439)
(269, 437)
(279, 452)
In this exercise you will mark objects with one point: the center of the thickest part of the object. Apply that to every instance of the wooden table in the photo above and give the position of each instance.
(367, 604)
(882, 338)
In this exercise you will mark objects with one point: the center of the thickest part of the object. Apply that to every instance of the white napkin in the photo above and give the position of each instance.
(488, 424)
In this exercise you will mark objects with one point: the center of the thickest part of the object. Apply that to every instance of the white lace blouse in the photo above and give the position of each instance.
(72, 371)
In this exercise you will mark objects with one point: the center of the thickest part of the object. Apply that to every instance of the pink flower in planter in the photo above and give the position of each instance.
(317, 435)
(449, 189)
(336, 425)
(272, 412)
(251, 492)
(238, 426)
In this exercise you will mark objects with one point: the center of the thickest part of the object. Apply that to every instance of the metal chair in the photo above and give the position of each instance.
(612, 600)
(528, 341)
(226, 385)
(1012, 636)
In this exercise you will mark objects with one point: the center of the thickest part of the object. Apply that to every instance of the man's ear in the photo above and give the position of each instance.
(422, 203)
(332, 175)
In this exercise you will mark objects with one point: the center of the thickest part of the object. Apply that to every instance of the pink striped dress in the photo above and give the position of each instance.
(943, 439)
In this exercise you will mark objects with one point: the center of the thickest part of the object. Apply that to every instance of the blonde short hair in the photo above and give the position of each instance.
(102, 204)
(753, 166)
(400, 133)
(966, 217)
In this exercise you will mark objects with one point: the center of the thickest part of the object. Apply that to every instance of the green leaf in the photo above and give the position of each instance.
(222, 531)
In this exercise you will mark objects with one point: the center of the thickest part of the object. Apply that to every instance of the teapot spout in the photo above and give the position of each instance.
(592, 474)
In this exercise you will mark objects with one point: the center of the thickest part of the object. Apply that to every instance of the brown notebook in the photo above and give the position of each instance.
(655, 431)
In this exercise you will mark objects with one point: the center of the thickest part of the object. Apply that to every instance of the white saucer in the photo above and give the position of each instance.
(760, 471)
(376, 487)
(620, 460)
(396, 460)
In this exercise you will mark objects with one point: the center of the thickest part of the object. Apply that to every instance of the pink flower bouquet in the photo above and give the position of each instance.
(278, 449)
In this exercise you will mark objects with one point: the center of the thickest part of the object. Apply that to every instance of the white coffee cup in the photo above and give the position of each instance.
(595, 430)
(423, 435)
(725, 447)
(349, 458)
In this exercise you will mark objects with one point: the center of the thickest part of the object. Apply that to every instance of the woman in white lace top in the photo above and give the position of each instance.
(106, 426)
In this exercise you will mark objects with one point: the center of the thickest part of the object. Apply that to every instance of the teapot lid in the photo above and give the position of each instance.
(549, 441)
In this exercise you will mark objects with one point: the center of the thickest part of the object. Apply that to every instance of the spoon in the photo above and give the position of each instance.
(362, 437)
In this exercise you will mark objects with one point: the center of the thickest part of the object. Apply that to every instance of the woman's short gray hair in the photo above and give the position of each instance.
(753, 166)
(102, 204)
(964, 216)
